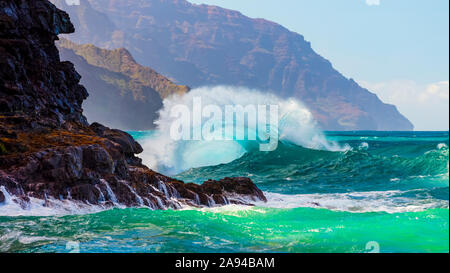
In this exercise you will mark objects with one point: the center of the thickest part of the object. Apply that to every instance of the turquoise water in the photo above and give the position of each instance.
(390, 192)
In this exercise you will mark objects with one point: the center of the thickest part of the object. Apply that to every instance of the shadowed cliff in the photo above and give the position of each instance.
(122, 93)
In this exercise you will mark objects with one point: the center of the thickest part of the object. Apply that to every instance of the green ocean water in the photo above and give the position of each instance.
(388, 193)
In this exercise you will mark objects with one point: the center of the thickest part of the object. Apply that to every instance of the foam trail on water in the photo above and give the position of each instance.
(39, 207)
(296, 125)
(358, 202)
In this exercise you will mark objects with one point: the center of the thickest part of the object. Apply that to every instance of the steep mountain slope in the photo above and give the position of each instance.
(121, 61)
(49, 155)
(207, 45)
(123, 94)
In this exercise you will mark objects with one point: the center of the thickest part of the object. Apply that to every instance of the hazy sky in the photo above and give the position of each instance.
(399, 49)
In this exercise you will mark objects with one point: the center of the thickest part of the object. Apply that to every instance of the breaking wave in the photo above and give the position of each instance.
(296, 125)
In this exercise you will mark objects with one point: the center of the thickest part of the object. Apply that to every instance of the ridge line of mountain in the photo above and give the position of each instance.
(201, 45)
(123, 93)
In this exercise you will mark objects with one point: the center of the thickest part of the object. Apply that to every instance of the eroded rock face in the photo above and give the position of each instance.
(128, 144)
(100, 174)
(47, 149)
(37, 90)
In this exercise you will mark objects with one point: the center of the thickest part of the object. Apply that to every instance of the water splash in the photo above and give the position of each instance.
(295, 125)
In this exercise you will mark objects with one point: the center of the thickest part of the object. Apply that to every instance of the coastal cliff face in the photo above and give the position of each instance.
(37, 91)
(202, 45)
(122, 93)
(48, 151)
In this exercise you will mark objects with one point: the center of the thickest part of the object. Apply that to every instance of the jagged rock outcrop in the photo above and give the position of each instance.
(202, 45)
(122, 93)
(37, 90)
(47, 149)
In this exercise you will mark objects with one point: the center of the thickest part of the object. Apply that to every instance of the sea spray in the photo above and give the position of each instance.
(294, 124)
(49, 207)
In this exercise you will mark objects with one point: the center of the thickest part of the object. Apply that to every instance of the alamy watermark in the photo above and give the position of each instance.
(230, 122)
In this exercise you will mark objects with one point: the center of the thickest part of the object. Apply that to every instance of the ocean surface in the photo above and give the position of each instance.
(386, 192)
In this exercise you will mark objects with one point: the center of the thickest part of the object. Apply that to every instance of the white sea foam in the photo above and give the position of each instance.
(442, 146)
(376, 201)
(364, 146)
(356, 202)
(232, 209)
(49, 207)
(110, 192)
(295, 125)
(138, 198)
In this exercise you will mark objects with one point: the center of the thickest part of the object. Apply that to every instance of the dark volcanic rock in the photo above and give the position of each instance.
(126, 141)
(37, 90)
(47, 149)
(242, 186)
(239, 190)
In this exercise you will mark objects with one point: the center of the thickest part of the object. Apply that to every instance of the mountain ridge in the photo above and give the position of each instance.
(201, 45)
(120, 60)
(123, 94)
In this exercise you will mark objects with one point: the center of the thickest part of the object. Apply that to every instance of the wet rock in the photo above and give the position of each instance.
(48, 150)
(98, 159)
(239, 185)
(86, 193)
(239, 190)
(125, 140)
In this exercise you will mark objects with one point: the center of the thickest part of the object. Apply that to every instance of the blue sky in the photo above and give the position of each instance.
(399, 49)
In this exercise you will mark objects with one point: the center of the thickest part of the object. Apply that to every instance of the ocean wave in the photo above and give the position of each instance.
(296, 170)
(296, 125)
(229, 229)
(357, 202)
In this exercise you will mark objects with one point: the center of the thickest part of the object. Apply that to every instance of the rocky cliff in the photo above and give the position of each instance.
(122, 93)
(49, 152)
(207, 45)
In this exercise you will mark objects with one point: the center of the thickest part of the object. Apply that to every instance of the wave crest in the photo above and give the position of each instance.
(295, 125)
